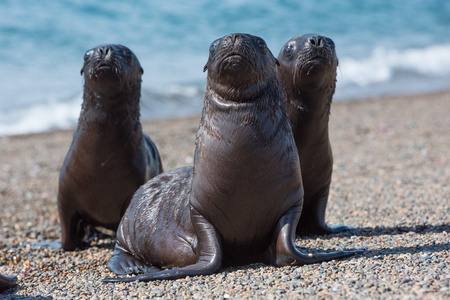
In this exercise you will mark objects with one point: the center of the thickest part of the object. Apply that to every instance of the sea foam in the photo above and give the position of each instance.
(384, 64)
(40, 117)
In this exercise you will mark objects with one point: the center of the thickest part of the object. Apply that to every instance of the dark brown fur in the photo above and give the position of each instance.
(308, 74)
(242, 201)
(110, 157)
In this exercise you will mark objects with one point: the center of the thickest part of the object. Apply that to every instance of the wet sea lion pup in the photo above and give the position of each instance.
(110, 157)
(7, 282)
(307, 73)
(242, 202)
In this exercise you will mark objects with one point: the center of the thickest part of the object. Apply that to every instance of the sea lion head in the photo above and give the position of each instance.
(308, 62)
(110, 69)
(240, 66)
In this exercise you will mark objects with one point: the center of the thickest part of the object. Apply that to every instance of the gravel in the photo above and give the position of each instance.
(391, 182)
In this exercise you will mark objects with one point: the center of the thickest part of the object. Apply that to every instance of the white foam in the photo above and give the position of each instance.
(41, 117)
(384, 71)
(383, 64)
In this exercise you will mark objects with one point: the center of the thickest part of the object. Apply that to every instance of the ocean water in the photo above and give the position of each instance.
(384, 47)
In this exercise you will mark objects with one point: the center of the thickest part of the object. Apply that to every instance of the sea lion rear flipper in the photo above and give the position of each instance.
(209, 250)
(283, 250)
(123, 263)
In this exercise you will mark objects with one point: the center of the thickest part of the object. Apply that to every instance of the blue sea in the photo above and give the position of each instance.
(384, 47)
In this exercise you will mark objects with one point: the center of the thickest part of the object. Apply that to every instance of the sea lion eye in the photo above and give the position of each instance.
(213, 46)
(288, 50)
(329, 42)
(262, 45)
(88, 54)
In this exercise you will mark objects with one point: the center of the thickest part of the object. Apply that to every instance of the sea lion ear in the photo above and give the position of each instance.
(277, 62)
(82, 71)
(205, 68)
(142, 70)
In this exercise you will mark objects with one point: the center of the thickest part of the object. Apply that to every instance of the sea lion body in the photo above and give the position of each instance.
(307, 72)
(241, 202)
(156, 228)
(110, 156)
(7, 282)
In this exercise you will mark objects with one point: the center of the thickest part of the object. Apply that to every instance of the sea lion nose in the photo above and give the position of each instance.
(235, 36)
(316, 41)
(104, 51)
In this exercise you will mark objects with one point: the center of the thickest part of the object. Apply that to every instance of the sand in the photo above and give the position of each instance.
(391, 182)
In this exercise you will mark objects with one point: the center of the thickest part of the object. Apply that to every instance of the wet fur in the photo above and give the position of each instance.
(307, 72)
(110, 156)
(242, 200)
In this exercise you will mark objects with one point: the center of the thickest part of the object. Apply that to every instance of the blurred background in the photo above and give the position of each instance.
(384, 47)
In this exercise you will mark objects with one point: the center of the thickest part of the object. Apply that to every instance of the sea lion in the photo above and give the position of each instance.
(242, 201)
(7, 282)
(110, 157)
(307, 73)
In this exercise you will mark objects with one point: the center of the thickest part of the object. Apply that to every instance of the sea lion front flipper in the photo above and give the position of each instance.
(123, 263)
(209, 251)
(337, 228)
(7, 282)
(72, 228)
(155, 166)
(283, 250)
(312, 220)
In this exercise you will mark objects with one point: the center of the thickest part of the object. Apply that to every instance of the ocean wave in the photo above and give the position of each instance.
(40, 117)
(173, 100)
(386, 64)
(383, 72)
(162, 102)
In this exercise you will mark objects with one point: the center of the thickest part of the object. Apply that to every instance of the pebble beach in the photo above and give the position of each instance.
(390, 182)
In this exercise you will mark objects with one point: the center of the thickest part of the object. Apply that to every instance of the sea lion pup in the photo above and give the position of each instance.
(307, 73)
(7, 282)
(110, 157)
(242, 201)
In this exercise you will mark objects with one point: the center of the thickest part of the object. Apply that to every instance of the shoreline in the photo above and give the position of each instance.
(198, 110)
(390, 181)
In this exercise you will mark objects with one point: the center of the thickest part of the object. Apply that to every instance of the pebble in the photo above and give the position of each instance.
(390, 182)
